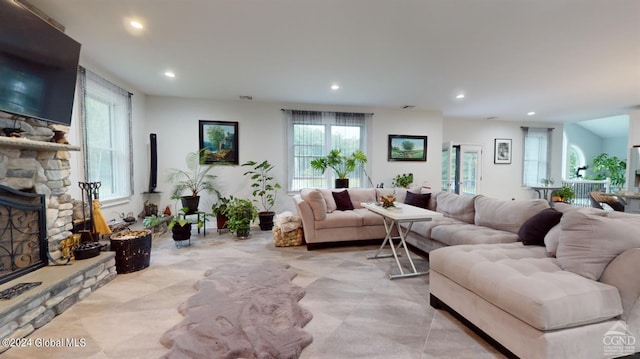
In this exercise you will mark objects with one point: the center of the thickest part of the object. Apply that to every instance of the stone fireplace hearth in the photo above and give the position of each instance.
(32, 163)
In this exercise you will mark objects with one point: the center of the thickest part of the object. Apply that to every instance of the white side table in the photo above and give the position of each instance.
(394, 216)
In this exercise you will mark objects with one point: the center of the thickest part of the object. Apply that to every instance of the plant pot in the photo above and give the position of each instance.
(221, 222)
(181, 233)
(342, 183)
(191, 202)
(243, 232)
(266, 220)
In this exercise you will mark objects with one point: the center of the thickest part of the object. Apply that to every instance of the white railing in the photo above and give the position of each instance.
(583, 187)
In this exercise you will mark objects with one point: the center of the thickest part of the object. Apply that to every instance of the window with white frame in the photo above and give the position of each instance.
(312, 134)
(537, 150)
(106, 122)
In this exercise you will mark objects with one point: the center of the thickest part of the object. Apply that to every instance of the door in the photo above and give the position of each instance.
(461, 168)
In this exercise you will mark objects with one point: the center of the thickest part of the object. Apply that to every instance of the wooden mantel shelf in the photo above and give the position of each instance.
(25, 143)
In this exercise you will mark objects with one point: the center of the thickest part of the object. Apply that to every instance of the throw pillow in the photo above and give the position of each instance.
(417, 199)
(343, 201)
(590, 239)
(534, 229)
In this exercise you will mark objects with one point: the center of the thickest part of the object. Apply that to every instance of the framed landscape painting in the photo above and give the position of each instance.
(219, 139)
(502, 151)
(407, 148)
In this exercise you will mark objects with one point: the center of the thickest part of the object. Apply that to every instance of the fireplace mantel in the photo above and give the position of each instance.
(24, 143)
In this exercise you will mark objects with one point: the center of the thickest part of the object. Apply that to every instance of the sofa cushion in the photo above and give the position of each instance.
(534, 229)
(456, 206)
(360, 195)
(552, 238)
(328, 197)
(466, 233)
(591, 238)
(343, 201)
(418, 199)
(526, 283)
(340, 219)
(506, 215)
(424, 228)
(316, 201)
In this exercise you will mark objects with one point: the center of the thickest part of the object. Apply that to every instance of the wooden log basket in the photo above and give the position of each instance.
(133, 250)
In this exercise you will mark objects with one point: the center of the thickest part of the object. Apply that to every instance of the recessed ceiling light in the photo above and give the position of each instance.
(170, 74)
(531, 113)
(460, 96)
(335, 87)
(136, 24)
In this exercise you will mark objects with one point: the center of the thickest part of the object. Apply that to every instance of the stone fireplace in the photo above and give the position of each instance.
(33, 163)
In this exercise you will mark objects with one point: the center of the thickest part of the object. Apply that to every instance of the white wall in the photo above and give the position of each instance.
(262, 135)
(502, 181)
(590, 143)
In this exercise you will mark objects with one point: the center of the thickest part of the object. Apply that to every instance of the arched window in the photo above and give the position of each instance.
(576, 160)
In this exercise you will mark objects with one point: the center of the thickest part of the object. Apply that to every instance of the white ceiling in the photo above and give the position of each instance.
(567, 60)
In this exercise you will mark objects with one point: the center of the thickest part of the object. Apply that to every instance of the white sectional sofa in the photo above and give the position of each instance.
(578, 296)
(467, 219)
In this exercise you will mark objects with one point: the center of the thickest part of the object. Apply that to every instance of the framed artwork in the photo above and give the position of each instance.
(220, 141)
(502, 151)
(407, 148)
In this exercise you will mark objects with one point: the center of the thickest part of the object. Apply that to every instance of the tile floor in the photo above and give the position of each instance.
(358, 312)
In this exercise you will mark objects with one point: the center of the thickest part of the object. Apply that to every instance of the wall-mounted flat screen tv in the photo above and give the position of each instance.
(38, 66)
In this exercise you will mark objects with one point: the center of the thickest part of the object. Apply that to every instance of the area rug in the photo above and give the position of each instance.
(242, 311)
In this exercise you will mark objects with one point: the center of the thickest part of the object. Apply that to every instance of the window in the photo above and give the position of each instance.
(106, 123)
(576, 161)
(313, 134)
(537, 148)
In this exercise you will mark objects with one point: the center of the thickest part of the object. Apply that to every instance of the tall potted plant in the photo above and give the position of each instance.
(194, 180)
(219, 209)
(341, 164)
(605, 166)
(240, 213)
(264, 192)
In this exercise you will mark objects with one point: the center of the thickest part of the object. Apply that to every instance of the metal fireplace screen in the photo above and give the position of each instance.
(23, 243)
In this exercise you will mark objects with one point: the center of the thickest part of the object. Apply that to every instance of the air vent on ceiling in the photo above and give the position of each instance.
(491, 118)
(408, 106)
(248, 98)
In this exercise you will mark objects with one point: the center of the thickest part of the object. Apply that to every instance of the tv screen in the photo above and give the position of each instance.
(38, 66)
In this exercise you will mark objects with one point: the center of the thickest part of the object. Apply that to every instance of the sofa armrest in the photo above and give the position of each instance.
(623, 273)
(306, 214)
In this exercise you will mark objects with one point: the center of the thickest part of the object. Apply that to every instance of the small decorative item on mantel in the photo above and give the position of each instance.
(388, 200)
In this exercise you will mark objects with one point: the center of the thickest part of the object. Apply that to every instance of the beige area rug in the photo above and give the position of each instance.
(242, 311)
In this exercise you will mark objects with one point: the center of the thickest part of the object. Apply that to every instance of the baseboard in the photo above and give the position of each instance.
(436, 303)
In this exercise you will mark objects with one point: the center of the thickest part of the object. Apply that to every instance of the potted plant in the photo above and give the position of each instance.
(605, 166)
(547, 181)
(342, 165)
(180, 225)
(565, 194)
(404, 180)
(219, 209)
(240, 213)
(196, 179)
(265, 188)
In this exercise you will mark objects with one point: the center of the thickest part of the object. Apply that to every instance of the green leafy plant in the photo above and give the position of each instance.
(220, 207)
(546, 181)
(605, 166)
(342, 165)
(565, 194)
(241, 212)
(150, 221)
(404, 180)
(195, 179)
(264, 186)
(180, 218)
